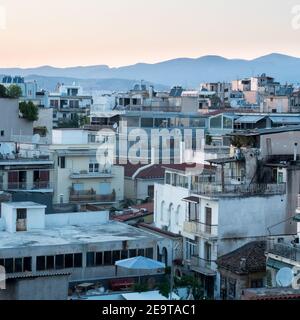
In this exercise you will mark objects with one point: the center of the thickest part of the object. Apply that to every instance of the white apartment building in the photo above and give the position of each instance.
(80, 178)
(69, 102)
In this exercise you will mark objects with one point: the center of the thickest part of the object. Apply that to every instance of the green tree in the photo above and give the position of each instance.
(3, 93)
(29, 111)
(14, 91)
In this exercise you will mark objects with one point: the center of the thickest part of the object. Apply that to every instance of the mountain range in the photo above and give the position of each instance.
(188, 72)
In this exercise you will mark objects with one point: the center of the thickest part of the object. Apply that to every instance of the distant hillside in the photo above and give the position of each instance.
(49, 83)
(184, 71)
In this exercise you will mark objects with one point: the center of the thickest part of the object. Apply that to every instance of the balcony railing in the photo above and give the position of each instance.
(91, 196)
(91, 175)
(28, 185)
(207, 267)
(285, 250)
(201, 229)
(242, 189)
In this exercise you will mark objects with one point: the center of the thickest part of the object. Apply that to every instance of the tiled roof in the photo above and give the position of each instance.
(156, 171)
(158, 230)
(249, 258)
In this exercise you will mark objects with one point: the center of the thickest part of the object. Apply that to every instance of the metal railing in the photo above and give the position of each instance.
(202, 263)
(28, 185)
(219, 189)
(201, 229)
(86, 174)
(285, 250)
(91, 196)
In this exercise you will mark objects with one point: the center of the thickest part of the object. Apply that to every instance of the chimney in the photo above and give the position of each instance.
(295, 151)
(243, 263)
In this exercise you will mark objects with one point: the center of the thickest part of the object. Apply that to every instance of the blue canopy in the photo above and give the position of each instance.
(140, 263)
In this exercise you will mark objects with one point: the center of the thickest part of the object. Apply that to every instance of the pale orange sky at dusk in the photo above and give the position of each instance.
(122, 32)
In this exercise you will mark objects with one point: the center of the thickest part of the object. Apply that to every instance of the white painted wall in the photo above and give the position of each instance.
(76, 218)
(170, 210)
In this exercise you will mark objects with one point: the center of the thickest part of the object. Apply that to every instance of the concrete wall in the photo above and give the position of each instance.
(169, 209)
(45, 120)
(78, 218)
(246, 219)
(10, 121)
(281, 143)
(39, 288)
(69, 136)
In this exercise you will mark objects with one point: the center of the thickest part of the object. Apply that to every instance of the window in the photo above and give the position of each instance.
(124, 254)
(149, 253)
(93, 167)
(132, 253)
(168, 178)
(90, 259)
(9, 265)
(69, 261)
(77, 260)
(59, 261)
(258, 283)
(50, 262)
(2, 133)
(141, 252)
(27, 265)
(232, 289)
(62, 162)
(115, 256)
(18, 265)
(216, 122)
(151, 192)
(99, 258)
(40, 263)
(107, 258)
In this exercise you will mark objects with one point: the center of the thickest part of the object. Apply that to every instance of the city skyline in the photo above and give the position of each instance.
(119, 33)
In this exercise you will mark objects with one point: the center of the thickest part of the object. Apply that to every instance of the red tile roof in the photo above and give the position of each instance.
(156, 171)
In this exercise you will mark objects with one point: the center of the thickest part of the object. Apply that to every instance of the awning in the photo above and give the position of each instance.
(276, 264)
(285, 120)
(192, 199)
(249, 119)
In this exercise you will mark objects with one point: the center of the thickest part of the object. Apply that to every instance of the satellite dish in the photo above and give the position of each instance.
(115, 126)
(36, 138)
(284, 277)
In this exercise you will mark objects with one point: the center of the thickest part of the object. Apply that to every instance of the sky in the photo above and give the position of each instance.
(122, 32)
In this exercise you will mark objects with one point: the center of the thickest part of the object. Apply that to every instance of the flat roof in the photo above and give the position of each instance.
(25, 204)
(73, 235)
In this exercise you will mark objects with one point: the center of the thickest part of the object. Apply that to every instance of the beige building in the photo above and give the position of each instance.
(81, 179)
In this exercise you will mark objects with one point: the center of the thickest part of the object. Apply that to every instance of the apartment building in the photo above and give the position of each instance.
(80, 176)
(65, 249)
(69, 105)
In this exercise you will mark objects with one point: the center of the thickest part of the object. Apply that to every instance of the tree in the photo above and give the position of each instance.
(3, 93)
(29, 111)
(14, 91)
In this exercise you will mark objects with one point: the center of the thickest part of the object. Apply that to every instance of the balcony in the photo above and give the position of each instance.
(86, 196)
(284, 250)
(298, 204)
(29, 186)
(202, 266)
(240, 189)
(201, 229)
(91, 175)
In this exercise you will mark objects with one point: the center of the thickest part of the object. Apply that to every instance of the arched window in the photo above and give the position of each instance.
(162, 209)
(177, 215)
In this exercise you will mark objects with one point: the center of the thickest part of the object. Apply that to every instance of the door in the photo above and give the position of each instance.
(208, 220)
